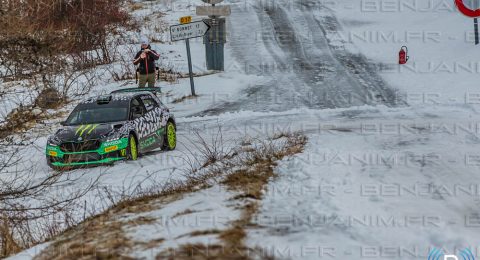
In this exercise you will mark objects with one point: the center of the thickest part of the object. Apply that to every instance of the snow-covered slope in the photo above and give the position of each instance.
(391, 169)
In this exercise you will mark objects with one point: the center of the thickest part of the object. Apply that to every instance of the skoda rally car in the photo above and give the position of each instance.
(113, 127)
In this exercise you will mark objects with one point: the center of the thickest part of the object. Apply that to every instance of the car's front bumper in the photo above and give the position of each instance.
(108, 152)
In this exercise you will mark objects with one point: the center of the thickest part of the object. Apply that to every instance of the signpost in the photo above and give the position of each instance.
(475, 25)
(185, 32)
(222, 10)
(470, 8)
(215, 39)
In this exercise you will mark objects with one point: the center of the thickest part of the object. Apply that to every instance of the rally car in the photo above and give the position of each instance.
(108, 128)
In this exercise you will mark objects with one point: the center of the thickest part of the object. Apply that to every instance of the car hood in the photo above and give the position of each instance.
(80, 133)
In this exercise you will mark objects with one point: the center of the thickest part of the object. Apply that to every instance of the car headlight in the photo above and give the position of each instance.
(53, 141)
(113, 135)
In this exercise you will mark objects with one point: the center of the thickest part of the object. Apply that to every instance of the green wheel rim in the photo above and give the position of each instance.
(133, 148)
(171, 136)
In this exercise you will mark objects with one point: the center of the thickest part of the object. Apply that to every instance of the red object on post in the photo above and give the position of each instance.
(467, 10)
(403, 55)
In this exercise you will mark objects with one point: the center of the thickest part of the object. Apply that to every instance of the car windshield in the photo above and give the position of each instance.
(95, 114)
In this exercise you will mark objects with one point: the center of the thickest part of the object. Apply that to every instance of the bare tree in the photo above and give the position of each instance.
(28, 198)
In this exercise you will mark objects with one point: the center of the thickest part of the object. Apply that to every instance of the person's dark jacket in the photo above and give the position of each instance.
(147, 65)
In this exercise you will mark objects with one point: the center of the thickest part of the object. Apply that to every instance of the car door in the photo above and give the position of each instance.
(152, 117)
(137, 117)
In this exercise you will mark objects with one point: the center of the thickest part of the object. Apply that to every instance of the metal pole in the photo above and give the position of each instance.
(475, 22)
(189, 57)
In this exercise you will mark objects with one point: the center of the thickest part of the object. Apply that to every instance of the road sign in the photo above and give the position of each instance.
(219, 10)
(186, 31)
(185, 19)
(212, 2)
(470, 8)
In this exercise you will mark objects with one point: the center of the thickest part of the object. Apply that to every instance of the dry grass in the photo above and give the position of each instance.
(187, 75)
(179, 100)
(141, 221)
(204, 232)
(167, 73)
(183, 213)
(249, 182)
(50, 98)
(7, 243)
(135, 6)
(102, 236)
(98, 238)
(23, 119)
(197, 233)
(150, 244)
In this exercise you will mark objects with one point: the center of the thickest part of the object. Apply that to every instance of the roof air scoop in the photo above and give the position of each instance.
(104, 99)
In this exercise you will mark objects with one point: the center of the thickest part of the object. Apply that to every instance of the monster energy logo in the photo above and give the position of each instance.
(85, 129)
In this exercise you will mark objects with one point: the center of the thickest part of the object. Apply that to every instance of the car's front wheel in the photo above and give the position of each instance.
(132, 149)
(170, 138)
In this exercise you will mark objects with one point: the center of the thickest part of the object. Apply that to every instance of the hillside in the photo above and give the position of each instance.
(314, 143)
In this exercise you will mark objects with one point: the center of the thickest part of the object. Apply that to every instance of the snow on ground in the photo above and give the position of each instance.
(203, 211)
(382, 182)
(444, 62)
(378, 179)
(30, 253)
(13, 96)
(376, 183)
(152, 170)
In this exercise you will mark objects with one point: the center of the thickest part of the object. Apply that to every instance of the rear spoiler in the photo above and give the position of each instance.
(129, 90)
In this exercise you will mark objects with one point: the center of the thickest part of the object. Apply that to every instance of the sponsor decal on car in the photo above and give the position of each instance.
(148, 142)
(112, 143)
(111, 148)
(88, 129)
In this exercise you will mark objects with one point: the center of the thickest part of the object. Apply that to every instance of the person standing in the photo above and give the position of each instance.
(145, 59)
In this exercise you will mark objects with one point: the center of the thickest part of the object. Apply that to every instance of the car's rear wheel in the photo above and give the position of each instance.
(170, 138)
(132, 149)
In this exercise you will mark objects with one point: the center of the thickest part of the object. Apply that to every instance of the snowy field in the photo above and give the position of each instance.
(391, 169)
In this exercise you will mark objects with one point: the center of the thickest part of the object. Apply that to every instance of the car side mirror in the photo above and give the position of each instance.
(63, 123)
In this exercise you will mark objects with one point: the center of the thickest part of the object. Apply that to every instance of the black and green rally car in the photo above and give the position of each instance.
(108, 128)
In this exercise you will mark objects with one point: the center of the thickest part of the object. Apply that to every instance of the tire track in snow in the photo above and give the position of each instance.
(357, 65)
(306, 70)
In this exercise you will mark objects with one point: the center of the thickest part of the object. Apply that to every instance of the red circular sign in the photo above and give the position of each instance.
(467, 10)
